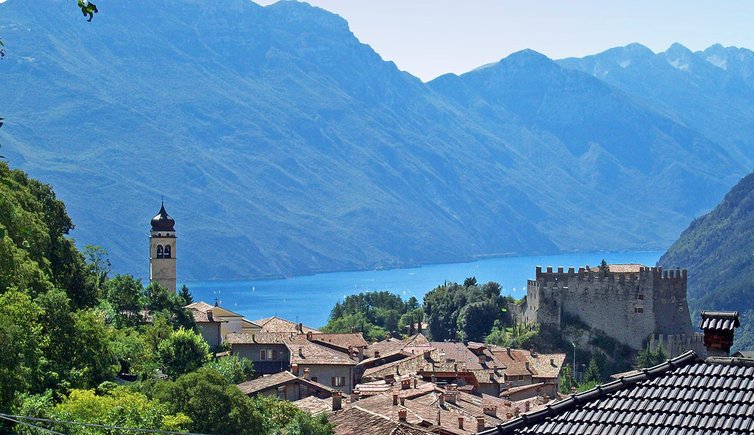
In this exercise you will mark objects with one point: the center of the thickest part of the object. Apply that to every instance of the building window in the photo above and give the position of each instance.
(281, 393)
(167, 251)
(638, 310)
(159, 251)
(338, 381)
(268, 354)
(520, 378)
(640, 297)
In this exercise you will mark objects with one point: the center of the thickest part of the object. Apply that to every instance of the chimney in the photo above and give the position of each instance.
(719, 328)
(210, 316)
(403, 401)
(451, 396)
(354, 396)
(482, 360)
(402, 415)
(301, 352)
(376, 353)
(300, 328)
(337, 400)
(508, 349)
(306, 373)
(460, 423)
(405, 384)
(527, 407)
(414, 380)
(294, 369)
(441, 400)
(480, 423)
(490, 410)
(309, 335)
(395, 399)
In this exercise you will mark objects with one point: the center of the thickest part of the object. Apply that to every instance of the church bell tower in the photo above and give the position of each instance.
(162, 250)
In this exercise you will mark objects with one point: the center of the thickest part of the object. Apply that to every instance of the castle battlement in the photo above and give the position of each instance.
(629, 302)
(619, 272)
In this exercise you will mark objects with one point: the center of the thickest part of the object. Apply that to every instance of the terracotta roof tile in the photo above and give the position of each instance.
(275, 380)
(305, 352)
(278, 324)
(341, 340)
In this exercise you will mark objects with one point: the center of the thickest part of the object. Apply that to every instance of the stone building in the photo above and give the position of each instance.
(631, 303)
(162, 252)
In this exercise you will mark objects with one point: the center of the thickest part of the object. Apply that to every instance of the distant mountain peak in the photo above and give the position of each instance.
(679, 57)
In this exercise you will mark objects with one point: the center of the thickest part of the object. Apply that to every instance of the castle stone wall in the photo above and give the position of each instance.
(628, 306)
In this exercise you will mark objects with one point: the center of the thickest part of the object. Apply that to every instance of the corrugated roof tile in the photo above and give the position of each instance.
(685, 396)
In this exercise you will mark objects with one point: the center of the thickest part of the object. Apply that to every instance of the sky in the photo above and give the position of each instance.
(429, 38)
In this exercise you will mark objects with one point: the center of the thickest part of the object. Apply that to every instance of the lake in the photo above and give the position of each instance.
(309, 299)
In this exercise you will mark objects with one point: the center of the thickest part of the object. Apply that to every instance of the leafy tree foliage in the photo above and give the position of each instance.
(375, 314)
(517, 335)
(212, 403)
(466, 312)
(182, 352)
(567, 381)
(235, 369)
(647, 358)
(116, 407)
(20, 335)
(284, 418)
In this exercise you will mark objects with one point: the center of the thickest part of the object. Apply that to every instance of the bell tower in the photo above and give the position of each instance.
(162, 250)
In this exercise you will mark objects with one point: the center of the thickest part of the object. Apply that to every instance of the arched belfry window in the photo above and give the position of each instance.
(167, 251)
(159, 251)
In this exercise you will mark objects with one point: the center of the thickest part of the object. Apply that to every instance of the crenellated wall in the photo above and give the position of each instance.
(630, 304)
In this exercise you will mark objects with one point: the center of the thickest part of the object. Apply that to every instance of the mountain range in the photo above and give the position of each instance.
(283, 145)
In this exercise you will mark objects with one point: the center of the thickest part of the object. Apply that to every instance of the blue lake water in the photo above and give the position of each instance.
(310, 298)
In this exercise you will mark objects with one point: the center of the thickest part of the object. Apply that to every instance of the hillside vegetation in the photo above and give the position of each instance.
(283, 145)
(69, 332)
(718, 250)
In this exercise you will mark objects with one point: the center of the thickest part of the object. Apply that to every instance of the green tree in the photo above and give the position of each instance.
(475, 320)
(604, 268)
(182, 352)
(567, 382)
(592, 372)
(470, 282)
(647, 358)
(162, 302)
(284, 418)
(21, 336)
(185, 294)
(116, 407)
(93, 358)
(124, 293)
(235, 369)
(213, 405)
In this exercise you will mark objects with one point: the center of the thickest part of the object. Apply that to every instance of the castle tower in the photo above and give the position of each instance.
(162, 250)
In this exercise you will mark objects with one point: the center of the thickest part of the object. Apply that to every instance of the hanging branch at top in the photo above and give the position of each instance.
(88, 9)
(2, 49)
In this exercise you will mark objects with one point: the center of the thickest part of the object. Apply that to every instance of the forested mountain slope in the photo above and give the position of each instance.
(718, 250)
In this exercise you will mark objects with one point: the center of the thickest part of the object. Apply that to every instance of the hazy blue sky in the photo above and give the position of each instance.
(431, 37)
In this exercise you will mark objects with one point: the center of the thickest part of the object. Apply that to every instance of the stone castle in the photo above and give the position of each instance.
(634, 304)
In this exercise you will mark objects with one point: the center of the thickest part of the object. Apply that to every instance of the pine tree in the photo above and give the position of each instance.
(185, 294)
(592, 373)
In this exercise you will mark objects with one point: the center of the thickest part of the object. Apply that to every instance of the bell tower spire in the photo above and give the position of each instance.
(162, 250)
